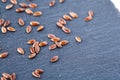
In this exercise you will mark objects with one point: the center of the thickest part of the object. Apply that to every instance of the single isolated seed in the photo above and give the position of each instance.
(37, 13)
(31, 56)
(7, 23)
(13, 75)
(11, 29)
(66, 30)
(21, 51)
(3, 55)
(40, 28)
(59, 25)
(31, 41)
(32, 49)
(39, 71)
(13, 2)
(53, 46)
(52, 3)
(51, 36)
(19, 10)
(34, 23)
(61, 1)
(4, 1)
(43, 43)
(28, 29)
(21, 22)
(33, 5)
(78, 39)
(56, 39)
(62, 21)
(67, 17)
(35, 74)
(24, 5)
(91, 13)
(88, 18)
(29, 11)
(6, 75)
(64, 42)
(73, 15)
(3, 29)
(9, 6)
(58, 44)
(1, 22)
(54, 59)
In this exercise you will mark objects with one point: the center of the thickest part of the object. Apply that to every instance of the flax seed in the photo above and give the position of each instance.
(3, 78)
(29, 11)
(9, 6)
(4, 1)
(33, 5)
(31, 41)
(13, 2)
(58, 44)
(13, 75)
(36, 46)
(52, 3)
(19, 10)
(40, 28)
(32, 49)
(51, 36)
(62, 21)
(28, 29)
(21, 22)
(7, 23)
(37, 13)
(31, 56)
(53, 46)
(4, 30)
(43, 43)
(54, 59)
(61, 1)
(56, 39)
(1, 22)
(6, 75)
(88, 18)
(64, 42)
(59, 25)
(78, 39)
(34, 23)
(91, 13)
(24, 5)
(36, 75)
(73, 15)
(21, 51)
(39, 71)
(4, 55)
(66, 30)
(67, 17)
(11, 29)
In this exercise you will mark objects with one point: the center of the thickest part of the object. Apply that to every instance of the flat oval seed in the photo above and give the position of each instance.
(61, 1)
(36, 75)
(1, 22)
(34, 23)
(29, 11)
(40, 28)
(7, 23)
(24, 5)
(2, 78)
(4, 1)
(32, 49)
(21, 51)
(88, 18)
(9, 6)
(67, 17)
(11, 29)
(33, 5)
(39, 71)
(58, 44)
(53, 46)
(73, 15)
(31, 56)
(66, 30)
(64, 42)
(13, 1)
(28, 29)
(54, 59)
(91, 13)
(31, 41)
(37, 13)
(56, 39)
(19, 10)
(4, 30)
(21, 22)
(6, 75)
(52, 3)
(13, 75)
(51, 36)
(78, 39)
(3, 55)
(59, 25)
(43, 43)
(62, 21)
(36, 46)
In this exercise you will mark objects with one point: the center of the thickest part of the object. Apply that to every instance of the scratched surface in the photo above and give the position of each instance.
(96, 58)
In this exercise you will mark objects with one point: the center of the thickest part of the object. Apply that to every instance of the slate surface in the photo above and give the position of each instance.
(96, 58)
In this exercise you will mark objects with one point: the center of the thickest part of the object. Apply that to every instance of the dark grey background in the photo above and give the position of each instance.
(96, 58)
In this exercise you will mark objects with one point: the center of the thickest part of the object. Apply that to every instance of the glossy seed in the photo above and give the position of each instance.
(62, 21)
(6, 75)
(56, 39)
(11, 29)
(24, 5)
(4, 30)
(78, 39)
(67, 17)
(37, 13)
(19, 10)
(54, 59)
(4, 1)
(36, 75)
(59, 25)
(1, 22)
(29, 11)
(13, 1)
(13, 75)
(21, 22)
(40, 28)
(31, 56)
(9, 6)
(32, 49)
(51, 36)
(36, 46)
(3, 55)
(43, 43)
(61, 1)
(34, 23)
(33, 5)
(52, 3)
(58, 44)
(21, 51)
(31, 41)
(53, 46)
(28, 29)
(91, 13)
(73, 15)
(7, 23)
(88, 18)
(39, 71)
(64, 42)
(3, 78)
(66, 30)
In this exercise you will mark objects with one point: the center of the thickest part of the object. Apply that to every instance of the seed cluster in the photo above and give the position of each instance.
(37, 73)
(7, 76)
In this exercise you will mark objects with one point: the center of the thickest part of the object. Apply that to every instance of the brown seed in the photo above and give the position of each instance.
(37, 13)
(7, 23)
(78, 39)
(3, 78)
(29, 11)
(43, 43)
(56, 39)
(52, 3)
(1, 22)
(36, 46)
(24, 5)
(66, 30)
(59, 25)
(9, 6)
(31, 41)
(62, 21)
(13, 1)
(64, 42)
(6, 75)
(54, 59)
(4, 30)
(30, 56)
(58, 44)
(40, 28)
(28, 29)
(36, 75)
(32, 49)
(91, 13)
(53, 46)
(34, 23)
(39, 71)
(61, 1)
(21, 22)
(4, 1)
(88, 18)
(73, 15)
(51, 36)
(33, 5)
(4, 55)
(13, 75)
(20, 10)
(21, 51)
(11, 29)
(67, 17)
